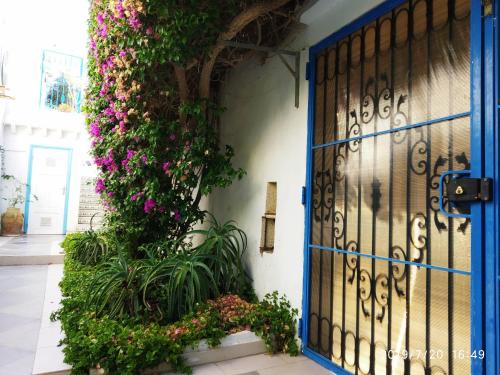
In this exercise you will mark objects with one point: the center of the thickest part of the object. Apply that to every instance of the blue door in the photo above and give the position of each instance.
(399, 194)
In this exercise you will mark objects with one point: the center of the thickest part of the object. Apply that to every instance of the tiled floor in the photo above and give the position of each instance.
(31, 245)
(22, 290)
(263, 364)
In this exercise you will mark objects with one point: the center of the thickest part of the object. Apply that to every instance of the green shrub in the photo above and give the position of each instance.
(89, 247)
(186, 280)
(116, 288)
(125, 345)
(275, 321)
(225, 245)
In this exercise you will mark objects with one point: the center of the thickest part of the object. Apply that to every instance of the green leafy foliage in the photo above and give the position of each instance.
(186, 280)
(156, 155)
(116, 287)
(89, 247)
(225, 245)
(126, 342)
(274, 320)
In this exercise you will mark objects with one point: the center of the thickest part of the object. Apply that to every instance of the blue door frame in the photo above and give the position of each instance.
(484, 136)
(28, 188)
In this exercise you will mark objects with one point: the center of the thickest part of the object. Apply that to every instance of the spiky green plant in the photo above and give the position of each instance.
(186, 280)
(89, 247)
(116, 288)
(225, 245)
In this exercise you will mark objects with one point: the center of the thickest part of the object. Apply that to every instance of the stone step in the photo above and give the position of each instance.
(90, 213)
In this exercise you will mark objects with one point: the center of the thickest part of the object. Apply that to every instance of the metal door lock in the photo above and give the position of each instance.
(466, 189)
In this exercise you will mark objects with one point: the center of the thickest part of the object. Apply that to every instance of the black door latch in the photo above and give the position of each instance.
(466, 189)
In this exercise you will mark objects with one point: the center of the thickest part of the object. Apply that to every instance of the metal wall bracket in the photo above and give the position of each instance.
(294, 70)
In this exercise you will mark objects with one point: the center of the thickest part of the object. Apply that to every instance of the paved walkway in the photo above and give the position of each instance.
(22, 291)
(263, 364)
(31, 250)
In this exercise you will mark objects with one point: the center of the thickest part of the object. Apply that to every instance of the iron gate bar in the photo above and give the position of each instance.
(346, 182)
(428, 279)
(358, 236)
(395, 130)
(393, 260)
(408, 182)
(334, 240)
(373, 208)
(388, 364)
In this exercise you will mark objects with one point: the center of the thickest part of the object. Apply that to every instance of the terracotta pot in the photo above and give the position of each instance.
(12, 222)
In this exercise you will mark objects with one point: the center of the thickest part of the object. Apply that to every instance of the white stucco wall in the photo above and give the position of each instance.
(269, 136)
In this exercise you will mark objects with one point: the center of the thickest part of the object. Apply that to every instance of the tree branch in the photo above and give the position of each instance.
(180, 76)
(236, 25)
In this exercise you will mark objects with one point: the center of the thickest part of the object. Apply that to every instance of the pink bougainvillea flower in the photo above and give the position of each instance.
(177, 215)
(100, 186)
(149, 205)
(109, 111)
(136, 196)
(130, 153)
(149, 31)
(144, 159)
(172, 137)
(100, 18)
(166, 166)
(122, 126)
(134, 22)
(103, 32)
(110, 194)
(94, 129)
(122, 53)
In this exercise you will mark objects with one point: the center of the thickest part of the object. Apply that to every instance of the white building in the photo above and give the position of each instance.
(42, 128)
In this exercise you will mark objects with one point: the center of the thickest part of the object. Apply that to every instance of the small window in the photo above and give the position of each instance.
(61, 81)
(269, 219)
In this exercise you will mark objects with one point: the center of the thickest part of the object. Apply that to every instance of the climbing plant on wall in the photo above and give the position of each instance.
(152, 112)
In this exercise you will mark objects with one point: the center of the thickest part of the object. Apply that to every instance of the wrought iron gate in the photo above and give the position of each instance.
(388, 278)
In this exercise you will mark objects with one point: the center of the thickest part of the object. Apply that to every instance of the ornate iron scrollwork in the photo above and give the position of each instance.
(322, 199)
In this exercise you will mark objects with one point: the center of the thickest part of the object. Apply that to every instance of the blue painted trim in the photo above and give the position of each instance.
(307, 207)
(68, 184)
(441, 195)
(496, 188)
(42, 70)
(325, 362)
(79, 100)
(28, 190)
(490, 224)
(366, 18)
(392, 260)
(477, 214)
(68, 187)
(395, 130)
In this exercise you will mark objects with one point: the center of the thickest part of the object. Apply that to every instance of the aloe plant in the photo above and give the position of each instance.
(116, 288)
(225, 245)
(186, 280)
(90, 247)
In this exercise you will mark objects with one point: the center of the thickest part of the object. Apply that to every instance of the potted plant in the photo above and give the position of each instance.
(13, 218)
